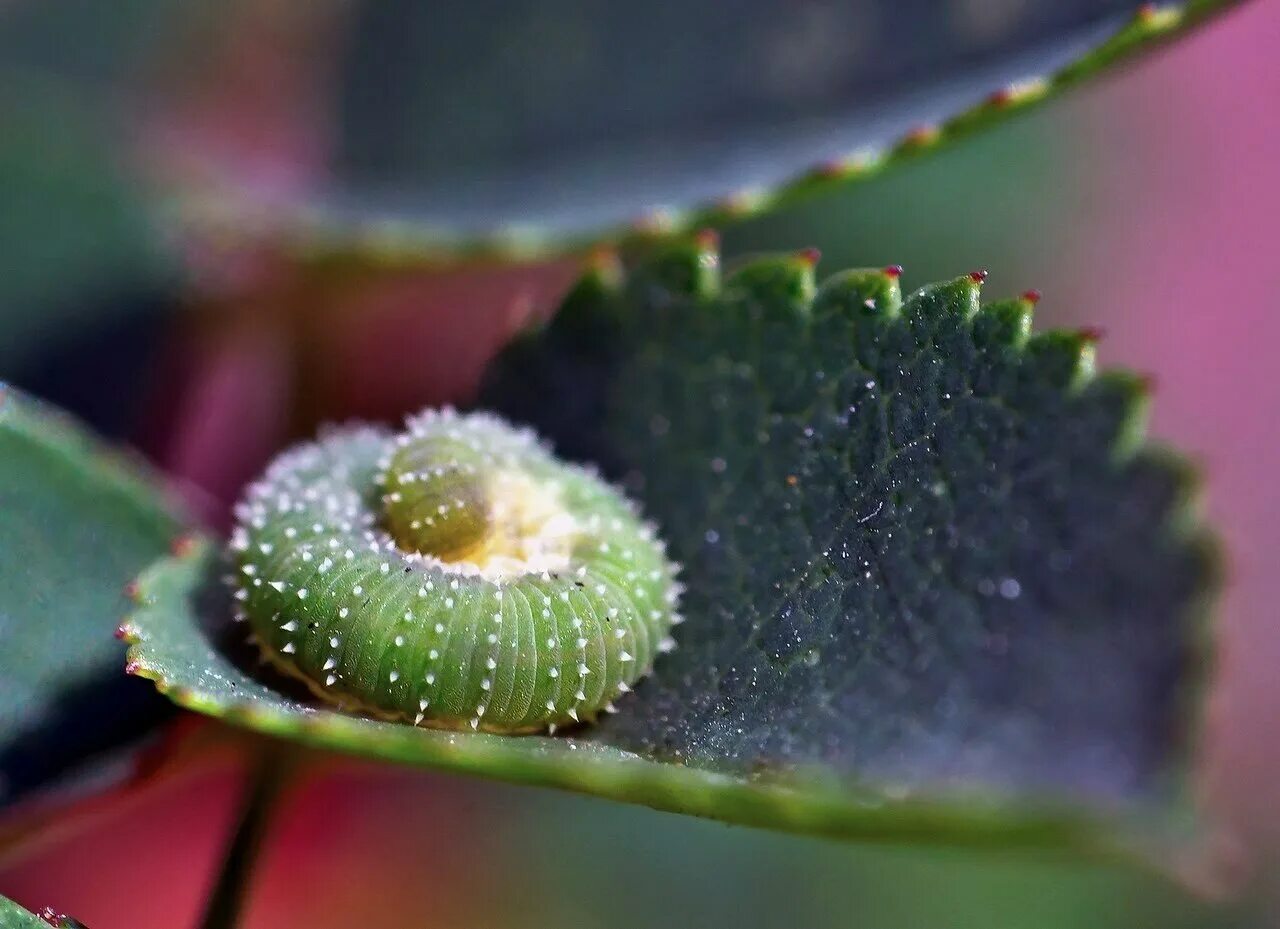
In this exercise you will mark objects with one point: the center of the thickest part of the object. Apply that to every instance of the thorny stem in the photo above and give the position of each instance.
(226, 901)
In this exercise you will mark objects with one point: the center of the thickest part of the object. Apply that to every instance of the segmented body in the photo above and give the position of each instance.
(456, 575)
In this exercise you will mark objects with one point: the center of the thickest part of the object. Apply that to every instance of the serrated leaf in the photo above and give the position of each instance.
(943, 549)
(539, 128)
(13, 916)
(77, 524)
(938, 589)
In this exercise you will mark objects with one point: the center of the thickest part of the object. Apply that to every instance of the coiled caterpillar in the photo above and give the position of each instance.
(455, 575)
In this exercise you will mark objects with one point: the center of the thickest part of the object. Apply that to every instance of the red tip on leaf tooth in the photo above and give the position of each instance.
(131, 590)
(836, 168)
(1001, 97)
(707, 240)
(810, 256)
(655, 222)
(894, 271)
(741, 202)
(1158, 16)
(978, 276)
(122, 631)
(1148, 383)
(602, 256)
(829, 170)
(1092, 333)
(923, 135)
(132, 667)
(182, 546)
(1031, 296)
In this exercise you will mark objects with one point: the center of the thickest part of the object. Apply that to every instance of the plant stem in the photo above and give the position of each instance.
(226, 901)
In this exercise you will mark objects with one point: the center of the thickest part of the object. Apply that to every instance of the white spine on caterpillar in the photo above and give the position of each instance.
(455, 575)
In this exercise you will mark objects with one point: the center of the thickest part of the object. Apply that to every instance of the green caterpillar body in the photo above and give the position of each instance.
(456, 575)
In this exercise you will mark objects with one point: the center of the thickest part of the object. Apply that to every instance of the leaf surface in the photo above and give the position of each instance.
(13, 916)
(938, 586)
(78, 523)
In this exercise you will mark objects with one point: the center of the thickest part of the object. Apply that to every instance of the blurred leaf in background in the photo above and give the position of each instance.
(1002, 200)
(77, 523)
(74, 232)
(456, 853)
(84, 277)
(465, 123)
(713, 875)
(618, 109)
(535, 123)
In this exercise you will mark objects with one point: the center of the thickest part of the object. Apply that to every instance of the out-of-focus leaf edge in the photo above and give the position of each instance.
(314, 237)
(117, 471)
(187, 747)
(58, 434)
(13, 916)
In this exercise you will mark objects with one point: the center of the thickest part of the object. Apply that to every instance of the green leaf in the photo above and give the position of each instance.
(941, 548)
(938, 588)
(79, 523)
(537, 127)
(543, 127)
(13, 916)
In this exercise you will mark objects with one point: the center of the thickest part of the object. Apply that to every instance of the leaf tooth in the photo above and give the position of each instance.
(963, 293)
(600, 284)
(1019, 93)
(780, 285)
(604, 267)
(1157, 17)
(1177, 487)
(1117, 402)
(861, 292)
(1004, 324)
(842, 167)
(658, 223)
(1060, 360)
(687, 268)
(746, 201)
(810, 256)
(920, 138)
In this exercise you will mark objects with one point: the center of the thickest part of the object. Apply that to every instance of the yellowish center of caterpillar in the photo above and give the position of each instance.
(529, 531)
(447, 500)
